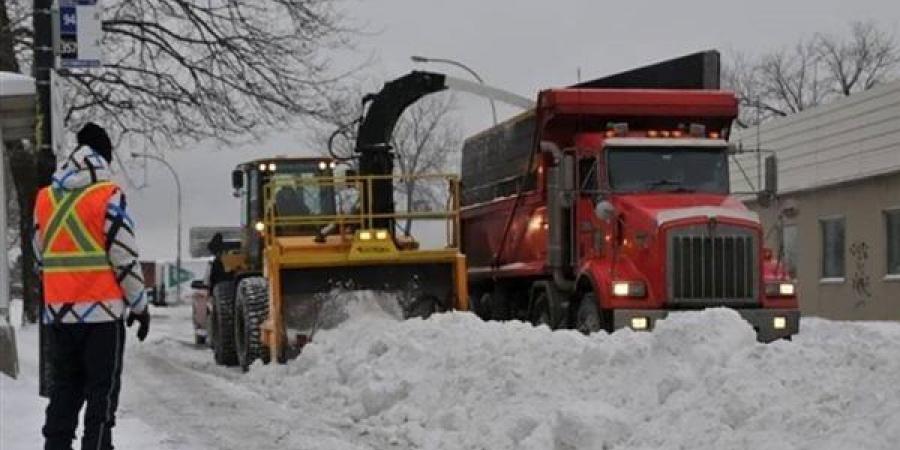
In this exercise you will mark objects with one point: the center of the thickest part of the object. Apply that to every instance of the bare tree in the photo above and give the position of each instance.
(181, 70)
(426, 140)
(812, 72)
(860, 62)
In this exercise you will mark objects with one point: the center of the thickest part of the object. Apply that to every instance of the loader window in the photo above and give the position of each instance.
(297, 191)
(668, 169)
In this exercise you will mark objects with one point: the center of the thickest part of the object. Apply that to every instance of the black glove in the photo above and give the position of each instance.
(144, 321)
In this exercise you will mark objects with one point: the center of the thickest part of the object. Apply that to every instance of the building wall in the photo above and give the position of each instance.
(866, 291)
(839, 159)
(849, 139)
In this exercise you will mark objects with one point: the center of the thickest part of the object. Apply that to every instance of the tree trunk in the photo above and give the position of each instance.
(410, 189)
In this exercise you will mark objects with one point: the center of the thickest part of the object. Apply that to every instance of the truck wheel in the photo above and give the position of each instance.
(223, 347)
(587, 317)
(481, 306)
(251, 309)
(498, 306)
(540, 310)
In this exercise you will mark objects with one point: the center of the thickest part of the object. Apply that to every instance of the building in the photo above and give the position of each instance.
(836, 220)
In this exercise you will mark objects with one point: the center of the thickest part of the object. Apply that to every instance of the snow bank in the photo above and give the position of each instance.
(699, 381)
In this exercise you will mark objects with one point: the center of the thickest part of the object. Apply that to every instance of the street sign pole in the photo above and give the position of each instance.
(46, 161)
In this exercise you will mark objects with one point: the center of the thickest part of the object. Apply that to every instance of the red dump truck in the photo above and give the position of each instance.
(608, 206)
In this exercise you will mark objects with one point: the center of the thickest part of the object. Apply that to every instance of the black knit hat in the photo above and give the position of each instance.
(95, 137)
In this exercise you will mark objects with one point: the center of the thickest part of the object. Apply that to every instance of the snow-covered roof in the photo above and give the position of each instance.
(849, 139)
(14, 84)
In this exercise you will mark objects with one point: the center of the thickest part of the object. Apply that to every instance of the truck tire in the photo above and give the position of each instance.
(588, 318)
(223, 347)
(540, 310)
(251, 309)
(497, 305)
(480, 306)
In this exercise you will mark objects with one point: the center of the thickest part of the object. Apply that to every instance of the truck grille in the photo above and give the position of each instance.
(709, 266)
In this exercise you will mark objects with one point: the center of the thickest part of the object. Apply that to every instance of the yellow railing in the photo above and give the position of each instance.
(353, 214)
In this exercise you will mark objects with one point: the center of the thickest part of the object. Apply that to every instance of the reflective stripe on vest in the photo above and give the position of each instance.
(76, 266)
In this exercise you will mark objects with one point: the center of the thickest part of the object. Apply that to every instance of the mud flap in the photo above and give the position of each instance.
(9, 354)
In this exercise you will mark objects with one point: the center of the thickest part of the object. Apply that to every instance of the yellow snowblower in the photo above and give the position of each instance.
(308, 230)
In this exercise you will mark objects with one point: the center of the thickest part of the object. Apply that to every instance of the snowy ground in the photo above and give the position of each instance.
(454, 382)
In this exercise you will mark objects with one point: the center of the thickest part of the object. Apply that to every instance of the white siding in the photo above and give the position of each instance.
(852, 138)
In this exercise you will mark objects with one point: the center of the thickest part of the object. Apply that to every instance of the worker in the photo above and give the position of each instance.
(289, 202)
(85, 243)
(217, 272)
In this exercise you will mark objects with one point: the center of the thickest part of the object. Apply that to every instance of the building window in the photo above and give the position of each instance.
(789, 254)
(832, 248)
(892, 226)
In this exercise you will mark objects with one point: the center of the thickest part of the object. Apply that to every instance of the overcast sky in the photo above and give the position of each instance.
(519, 45)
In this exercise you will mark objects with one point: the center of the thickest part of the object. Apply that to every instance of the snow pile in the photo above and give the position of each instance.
(699, 381)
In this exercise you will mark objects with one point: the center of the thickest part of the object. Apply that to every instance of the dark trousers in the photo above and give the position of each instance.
(87, 367)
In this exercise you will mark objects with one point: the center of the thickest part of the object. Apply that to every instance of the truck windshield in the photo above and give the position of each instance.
(668, 169)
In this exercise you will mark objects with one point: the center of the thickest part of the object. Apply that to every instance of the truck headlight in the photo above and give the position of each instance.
(779, 322)
(780, 289)
(365, 235)
(629, 289)
(381, 235)
(640, 323)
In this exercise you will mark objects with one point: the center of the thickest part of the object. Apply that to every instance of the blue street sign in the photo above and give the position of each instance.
(68, 20)
(79, 33)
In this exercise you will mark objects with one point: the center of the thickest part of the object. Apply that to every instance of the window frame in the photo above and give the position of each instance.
(832, 279)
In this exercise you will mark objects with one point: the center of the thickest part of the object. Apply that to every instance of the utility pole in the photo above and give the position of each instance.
(178, 269)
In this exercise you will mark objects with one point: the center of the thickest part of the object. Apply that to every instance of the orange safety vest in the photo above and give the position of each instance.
(76, 266)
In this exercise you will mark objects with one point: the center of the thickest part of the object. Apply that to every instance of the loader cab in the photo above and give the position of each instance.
(291, 188)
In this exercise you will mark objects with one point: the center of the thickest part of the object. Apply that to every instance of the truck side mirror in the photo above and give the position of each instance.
(237, 179)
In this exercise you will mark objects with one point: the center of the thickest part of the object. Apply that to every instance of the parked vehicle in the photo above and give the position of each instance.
(200, 309)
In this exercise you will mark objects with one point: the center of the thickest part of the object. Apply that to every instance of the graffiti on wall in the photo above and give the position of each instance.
(860, 281)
